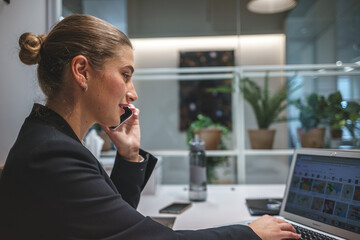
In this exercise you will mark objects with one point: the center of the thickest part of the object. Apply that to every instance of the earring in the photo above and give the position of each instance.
(84, 88)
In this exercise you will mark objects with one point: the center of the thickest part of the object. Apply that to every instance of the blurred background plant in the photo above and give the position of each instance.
(267, 107)
(333, 111)
(204, 123)
(337, 114)
(312, 111)
(353, 121)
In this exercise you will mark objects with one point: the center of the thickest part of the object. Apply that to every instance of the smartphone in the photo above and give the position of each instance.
(125, 116)
(175, 208)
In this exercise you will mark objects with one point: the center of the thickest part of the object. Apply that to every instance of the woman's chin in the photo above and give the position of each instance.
(115, 123)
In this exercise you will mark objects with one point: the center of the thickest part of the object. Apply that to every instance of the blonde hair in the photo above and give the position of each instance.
(75, 35)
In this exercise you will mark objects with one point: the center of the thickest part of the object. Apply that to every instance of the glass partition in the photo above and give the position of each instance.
(320, 38)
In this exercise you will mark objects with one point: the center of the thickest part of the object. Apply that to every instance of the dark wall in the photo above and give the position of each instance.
(181, 18)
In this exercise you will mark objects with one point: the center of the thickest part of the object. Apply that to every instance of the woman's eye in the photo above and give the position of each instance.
(126, 76)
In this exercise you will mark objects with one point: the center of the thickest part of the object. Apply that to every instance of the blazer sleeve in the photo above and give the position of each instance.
(130, 178)
(69, 191)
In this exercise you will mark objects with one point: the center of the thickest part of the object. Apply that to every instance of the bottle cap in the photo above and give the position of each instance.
(196, 144)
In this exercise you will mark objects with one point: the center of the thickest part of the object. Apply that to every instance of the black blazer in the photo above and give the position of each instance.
(52, 187)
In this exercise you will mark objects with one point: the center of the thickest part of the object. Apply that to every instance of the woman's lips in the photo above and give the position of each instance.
(122, 108)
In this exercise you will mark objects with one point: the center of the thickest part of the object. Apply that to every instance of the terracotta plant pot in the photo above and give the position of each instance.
(314, 138)
(211, 137)
(261, 138)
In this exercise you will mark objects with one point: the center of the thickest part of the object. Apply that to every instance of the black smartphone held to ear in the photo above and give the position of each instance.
(125, 116)
(175, 208)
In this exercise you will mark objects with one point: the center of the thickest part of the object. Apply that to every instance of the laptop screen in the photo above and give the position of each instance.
(326, 189)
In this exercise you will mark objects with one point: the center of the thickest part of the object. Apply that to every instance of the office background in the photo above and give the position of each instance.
(314, 32)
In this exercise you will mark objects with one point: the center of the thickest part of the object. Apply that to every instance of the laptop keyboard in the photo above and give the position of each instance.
(307, 234)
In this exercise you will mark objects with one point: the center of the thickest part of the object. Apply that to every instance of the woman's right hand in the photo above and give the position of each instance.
(271, 228)
(126, 138)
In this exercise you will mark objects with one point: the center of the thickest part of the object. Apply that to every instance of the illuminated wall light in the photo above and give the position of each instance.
(270, 6)
(195, 42)
(164, 52)
(206, 42)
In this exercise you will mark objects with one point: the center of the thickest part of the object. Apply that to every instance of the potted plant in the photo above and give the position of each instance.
(336, 114)
(267, 109)
(353, 121)
(339, 114)
(311, 115)
(211, 133)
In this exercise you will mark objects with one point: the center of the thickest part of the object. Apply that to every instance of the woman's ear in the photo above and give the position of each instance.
(79, 68)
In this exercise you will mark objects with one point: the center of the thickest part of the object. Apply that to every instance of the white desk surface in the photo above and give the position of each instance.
(225, 204)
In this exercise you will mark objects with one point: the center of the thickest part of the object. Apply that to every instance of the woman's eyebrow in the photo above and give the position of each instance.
(131, 68)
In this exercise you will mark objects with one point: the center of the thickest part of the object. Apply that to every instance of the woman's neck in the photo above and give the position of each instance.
(73, 114)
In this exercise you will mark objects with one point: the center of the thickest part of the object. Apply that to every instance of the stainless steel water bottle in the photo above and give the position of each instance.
(197, 186)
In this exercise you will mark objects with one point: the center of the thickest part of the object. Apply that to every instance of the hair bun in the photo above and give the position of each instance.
(30, 46)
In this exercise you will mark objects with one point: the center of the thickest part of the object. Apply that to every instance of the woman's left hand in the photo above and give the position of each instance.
(127, 137)
(271, 228)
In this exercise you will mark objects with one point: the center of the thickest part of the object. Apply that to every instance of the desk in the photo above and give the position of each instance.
(225, 204)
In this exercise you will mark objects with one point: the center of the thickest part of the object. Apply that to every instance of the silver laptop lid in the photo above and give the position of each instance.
(323, 191)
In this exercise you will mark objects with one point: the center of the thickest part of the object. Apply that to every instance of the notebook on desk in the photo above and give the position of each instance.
(261, 206)
(323, 192)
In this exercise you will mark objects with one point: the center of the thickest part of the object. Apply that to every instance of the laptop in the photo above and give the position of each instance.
(323, 192)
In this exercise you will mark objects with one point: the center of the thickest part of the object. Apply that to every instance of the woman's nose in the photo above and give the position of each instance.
(131, 94)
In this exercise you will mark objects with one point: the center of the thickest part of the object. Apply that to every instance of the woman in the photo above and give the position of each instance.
(52, 187)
